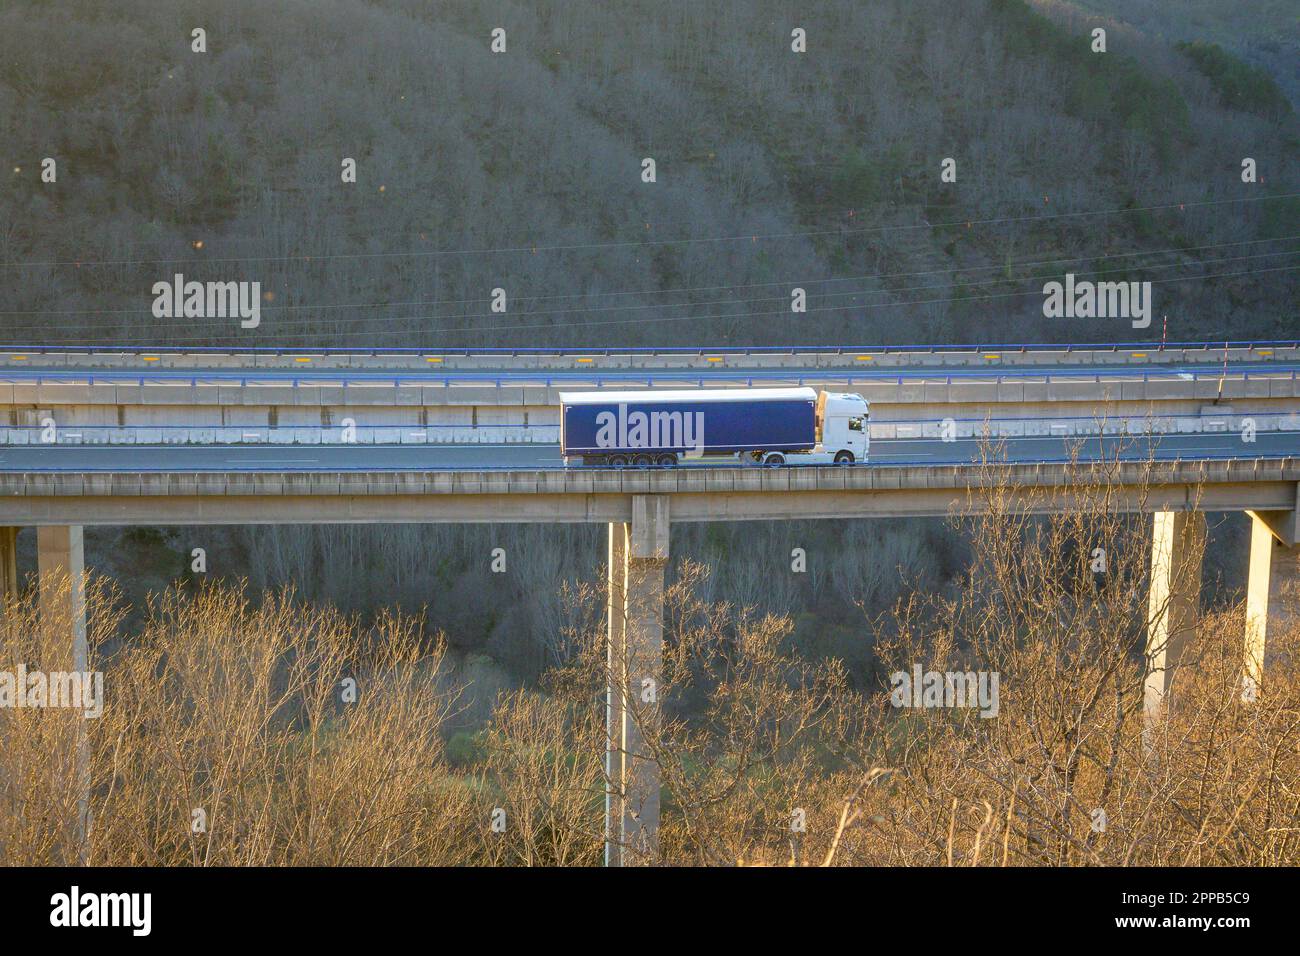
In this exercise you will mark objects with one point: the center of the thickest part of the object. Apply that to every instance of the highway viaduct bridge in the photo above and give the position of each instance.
(64, 486)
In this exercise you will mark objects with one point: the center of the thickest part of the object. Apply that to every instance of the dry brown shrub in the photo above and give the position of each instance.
(226, 740)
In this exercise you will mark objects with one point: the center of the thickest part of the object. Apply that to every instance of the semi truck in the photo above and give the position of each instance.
(760, 426)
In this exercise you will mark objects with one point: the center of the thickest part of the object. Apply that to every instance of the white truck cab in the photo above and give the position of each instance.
(843, 433)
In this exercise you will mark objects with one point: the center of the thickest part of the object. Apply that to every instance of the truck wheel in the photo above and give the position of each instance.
(642, 461)
(844, 458)
(667, 461)
(618, 461)
(775, 460)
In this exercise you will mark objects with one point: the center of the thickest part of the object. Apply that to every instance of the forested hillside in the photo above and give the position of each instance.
(1264, 33)
(522, 170)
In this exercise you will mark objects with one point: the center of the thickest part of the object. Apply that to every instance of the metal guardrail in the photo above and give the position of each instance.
(662, 350)
(1233, 412)
(675, 377)
(509, 433)
(299, 435)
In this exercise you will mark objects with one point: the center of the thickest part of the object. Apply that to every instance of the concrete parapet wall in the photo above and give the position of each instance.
(1055, 389)
(1239, 484)
(496, 426)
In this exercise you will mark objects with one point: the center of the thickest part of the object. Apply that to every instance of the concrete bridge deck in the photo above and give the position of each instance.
(579, 495)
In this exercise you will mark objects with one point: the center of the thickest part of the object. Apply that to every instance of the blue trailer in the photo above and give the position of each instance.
(762, 425)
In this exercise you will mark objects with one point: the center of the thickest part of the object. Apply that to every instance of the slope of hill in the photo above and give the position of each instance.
(1265, 33)
(522, 170)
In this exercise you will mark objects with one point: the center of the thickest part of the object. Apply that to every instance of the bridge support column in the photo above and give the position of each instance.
(638, 557)
(8, 564)
(1272, 589)
(61, 564)
(1176, 550)
(616, 650)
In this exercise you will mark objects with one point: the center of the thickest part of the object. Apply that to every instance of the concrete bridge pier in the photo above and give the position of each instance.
(60, 556)
(638, 557)
(1273, 586)
(8, 564)
(1177, 546)
(62, 568)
